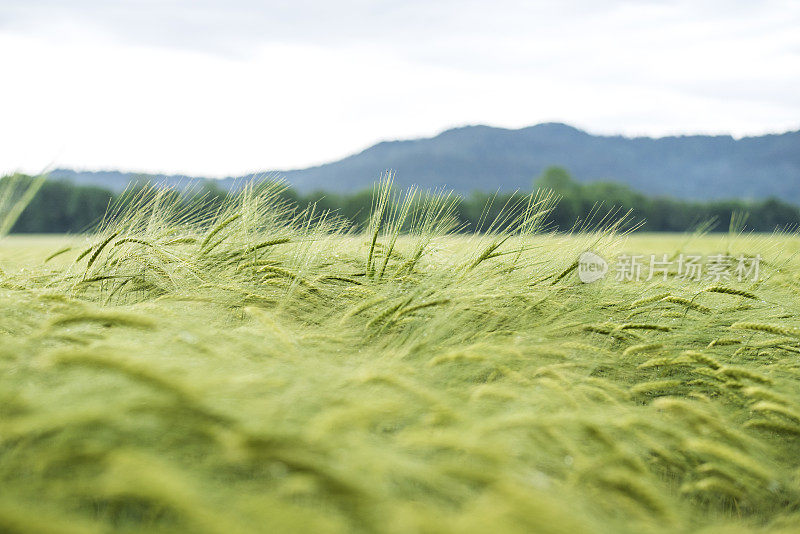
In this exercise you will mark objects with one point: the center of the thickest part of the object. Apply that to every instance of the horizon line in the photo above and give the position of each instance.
(79, 169)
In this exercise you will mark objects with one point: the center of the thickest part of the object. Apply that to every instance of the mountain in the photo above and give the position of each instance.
(117, 181)
(486, 158)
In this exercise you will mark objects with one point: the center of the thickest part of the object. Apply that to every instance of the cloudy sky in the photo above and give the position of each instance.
(227, 87)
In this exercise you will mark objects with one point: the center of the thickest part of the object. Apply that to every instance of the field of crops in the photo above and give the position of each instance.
(258, 369)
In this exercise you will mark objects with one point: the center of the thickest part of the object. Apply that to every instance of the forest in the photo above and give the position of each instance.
(63, 207)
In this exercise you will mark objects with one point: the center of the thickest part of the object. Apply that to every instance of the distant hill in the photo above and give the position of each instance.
(486, 158)
(117, 181)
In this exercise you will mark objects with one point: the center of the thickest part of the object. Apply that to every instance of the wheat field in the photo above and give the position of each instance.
(262, 368)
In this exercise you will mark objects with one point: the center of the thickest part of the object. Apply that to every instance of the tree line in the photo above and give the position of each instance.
(63, 207)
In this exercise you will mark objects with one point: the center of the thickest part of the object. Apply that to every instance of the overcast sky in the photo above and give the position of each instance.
(228, 87)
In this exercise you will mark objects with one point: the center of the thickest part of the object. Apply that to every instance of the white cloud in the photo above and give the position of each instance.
(219, 88)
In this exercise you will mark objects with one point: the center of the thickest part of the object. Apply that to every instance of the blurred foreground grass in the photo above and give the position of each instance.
(268, 373)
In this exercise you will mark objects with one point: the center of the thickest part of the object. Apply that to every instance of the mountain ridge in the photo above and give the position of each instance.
(480, 157)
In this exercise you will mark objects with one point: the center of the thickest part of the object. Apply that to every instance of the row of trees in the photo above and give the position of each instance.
(662, 214)
(61, 207)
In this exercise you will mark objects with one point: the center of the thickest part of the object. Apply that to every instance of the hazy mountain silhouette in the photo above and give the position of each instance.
(488, 159)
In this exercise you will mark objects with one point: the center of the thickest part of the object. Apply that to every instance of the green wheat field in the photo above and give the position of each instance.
(260, 368)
